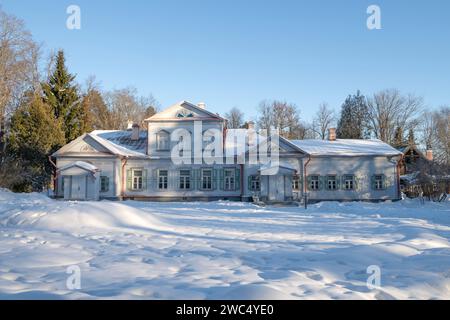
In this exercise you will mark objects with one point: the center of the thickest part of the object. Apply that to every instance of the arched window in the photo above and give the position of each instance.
(162, 140)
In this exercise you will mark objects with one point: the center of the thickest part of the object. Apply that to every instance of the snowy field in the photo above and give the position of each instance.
(222, 250)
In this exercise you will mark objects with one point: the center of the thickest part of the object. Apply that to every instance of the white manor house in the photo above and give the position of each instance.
(139, 164)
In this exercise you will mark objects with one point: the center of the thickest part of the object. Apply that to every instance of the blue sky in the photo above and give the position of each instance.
(236, 53)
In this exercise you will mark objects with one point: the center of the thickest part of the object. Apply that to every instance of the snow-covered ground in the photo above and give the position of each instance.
(222, 250)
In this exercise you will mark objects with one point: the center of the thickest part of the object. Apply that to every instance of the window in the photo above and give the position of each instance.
(314, 183)
(137, 179)
(163, 140)
(206, 179)
(254, 183)
(378, 180)
(331, 183)
(229, 179)
(163, 178)
(104, 184)
(296, 182)
(349, 182)
(185, 179)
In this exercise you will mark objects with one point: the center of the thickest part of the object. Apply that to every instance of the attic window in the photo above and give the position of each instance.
(184, 114)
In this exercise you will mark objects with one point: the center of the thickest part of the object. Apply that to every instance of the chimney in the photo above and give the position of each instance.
(135, 132)
(129, 125)
(429, 154)
(332, 134)
(251, 125)
(251, 134)
(201, 105)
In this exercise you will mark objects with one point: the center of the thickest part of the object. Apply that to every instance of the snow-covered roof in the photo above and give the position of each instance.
(346, 147)
(119, 142)
(80, 164)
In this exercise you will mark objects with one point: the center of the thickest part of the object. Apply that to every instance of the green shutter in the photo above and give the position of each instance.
(195, 179)
(356, 183)
(222, 179)
(384, 184)
(372, 182)
(144, 179)
(237, 183)
(129, 179)
(215, 177)
(338, 182)
(249, 183)
(321, 182)
(308, 179)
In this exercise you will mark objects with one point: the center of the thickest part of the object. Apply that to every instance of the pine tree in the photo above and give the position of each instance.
(35, 134)
(411, 138)
(61, 94)
(353, 120)
(398, 138)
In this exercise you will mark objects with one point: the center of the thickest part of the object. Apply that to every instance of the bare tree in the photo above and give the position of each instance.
(389, 110)
(19, 56)
(442, 135)
(325, 118)
(281, 115)
(235, 118)
(126, 105)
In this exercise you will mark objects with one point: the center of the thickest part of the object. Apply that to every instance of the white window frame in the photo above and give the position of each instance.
(349, 180)
(137, 181)
(314, 184)
(378, 182)
(255, 183)
(159, 141)
(203, 176)
(332, 183)
(163, 180)
(229, 183)
(296, 182)
(185, 180)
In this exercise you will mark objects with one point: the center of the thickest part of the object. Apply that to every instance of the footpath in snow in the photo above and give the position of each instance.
(222, 250)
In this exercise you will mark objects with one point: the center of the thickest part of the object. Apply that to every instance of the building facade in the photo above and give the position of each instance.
(139, 164)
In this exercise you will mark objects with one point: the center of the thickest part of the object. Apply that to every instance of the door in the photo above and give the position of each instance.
(78, 187)
(276, 188)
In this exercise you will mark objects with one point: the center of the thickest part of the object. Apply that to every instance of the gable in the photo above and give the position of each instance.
(183, 111)
(83, 145)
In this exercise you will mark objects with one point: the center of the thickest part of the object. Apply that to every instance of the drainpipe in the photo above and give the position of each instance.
(122, 191)
(242, 180)
(305, 181)
(55, 176)
(399, 193)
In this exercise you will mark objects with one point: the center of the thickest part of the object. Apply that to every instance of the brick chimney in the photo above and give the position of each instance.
(135, 132)
(129, 125)
(332, 134)
(429, 154)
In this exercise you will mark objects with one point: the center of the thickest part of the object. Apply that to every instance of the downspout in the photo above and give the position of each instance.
(242, 180)
(399, 192)
(55, 176)
(305, 181)
(122, 191)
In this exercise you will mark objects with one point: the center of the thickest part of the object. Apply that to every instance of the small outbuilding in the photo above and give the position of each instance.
(80, 181)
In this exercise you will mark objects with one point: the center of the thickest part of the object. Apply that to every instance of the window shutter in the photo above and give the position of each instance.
(321, 182)
(372, 182)
(308, 179)
(222, 179)
(129, 179)
(195, 179)
(106, 184)
(249, 183)
(338, 182)
(144, 179)
(215, 177)
(237, 180)
(356, 182)
(384, 183)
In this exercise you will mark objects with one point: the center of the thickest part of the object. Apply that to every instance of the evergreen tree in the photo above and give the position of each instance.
(411, 138)
(398, 138)
(35, 134)
(353, 120)
(61, 94)
(95, 112)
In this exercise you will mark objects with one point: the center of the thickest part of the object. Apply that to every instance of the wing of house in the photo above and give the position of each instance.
(140, 164)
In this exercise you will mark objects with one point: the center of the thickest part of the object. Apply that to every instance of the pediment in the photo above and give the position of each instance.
(82, 145)
(184, 111)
